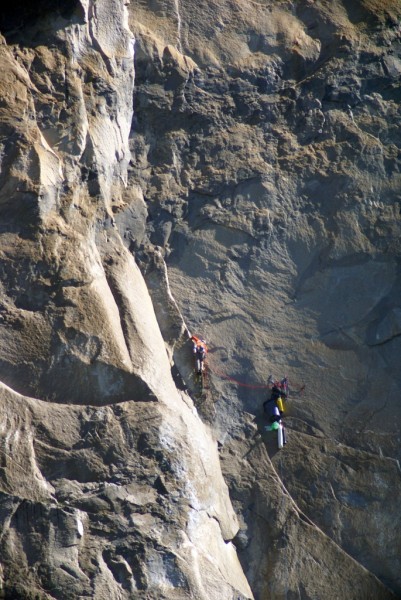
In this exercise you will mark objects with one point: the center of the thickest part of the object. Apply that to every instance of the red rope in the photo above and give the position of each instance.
(248, 385)
(240, 383)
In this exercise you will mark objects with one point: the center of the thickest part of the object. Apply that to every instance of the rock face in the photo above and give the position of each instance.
(114, 502)
(224, 168)
(111, 485)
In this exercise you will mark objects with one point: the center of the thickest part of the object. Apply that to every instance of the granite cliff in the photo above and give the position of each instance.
(226, 168)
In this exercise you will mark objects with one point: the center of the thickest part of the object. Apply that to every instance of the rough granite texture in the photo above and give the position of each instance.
(226, 168)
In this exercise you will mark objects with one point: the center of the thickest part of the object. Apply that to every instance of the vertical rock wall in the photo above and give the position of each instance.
(266, 144)
(111, 485)
(234, 171)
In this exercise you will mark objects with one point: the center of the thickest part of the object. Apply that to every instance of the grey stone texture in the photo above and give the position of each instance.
(228, 169)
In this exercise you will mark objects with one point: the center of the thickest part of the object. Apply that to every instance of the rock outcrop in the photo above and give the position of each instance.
(227, 168)
(111, 485)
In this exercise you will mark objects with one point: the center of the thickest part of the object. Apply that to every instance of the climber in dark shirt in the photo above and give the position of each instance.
(277, 395)
(274, 408)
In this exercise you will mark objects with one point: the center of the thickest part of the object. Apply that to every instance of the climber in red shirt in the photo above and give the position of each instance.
(200, 351)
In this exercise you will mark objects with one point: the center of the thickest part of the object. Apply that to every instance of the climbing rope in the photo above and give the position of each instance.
(283, 507)
(253, 386)
(240, 383)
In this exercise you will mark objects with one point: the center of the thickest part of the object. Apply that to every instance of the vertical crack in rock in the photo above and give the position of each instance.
(179, 25)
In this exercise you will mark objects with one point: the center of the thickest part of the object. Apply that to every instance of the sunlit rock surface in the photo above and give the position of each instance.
(228, 169)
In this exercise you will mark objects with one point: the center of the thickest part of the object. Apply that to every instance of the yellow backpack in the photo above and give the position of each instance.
(280, 404)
